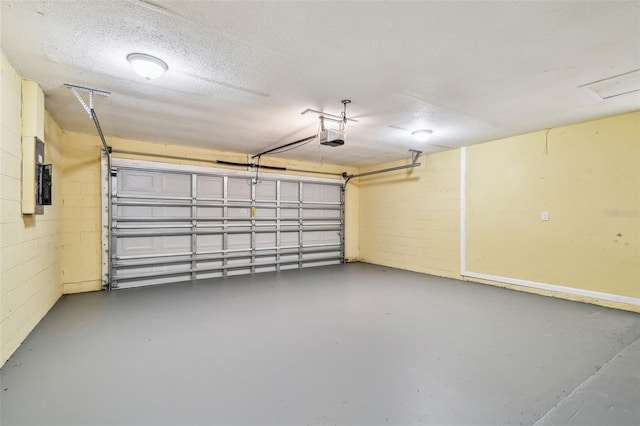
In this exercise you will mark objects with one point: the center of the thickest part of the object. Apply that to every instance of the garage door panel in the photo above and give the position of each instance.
(210, 187)
(265, 212)
(239, 241)
(239, 212)
(172, 211)
(212, 274)
(288, 239)
(135, 245)
(262, 254)
(154, 269)
(321, 213)
(266, 191)
(175, 243)
(289, 262)
(134, 182)
(328, 255)
(209, 269)
(320, 237)
(239, 259)
(239, 228)
(239, 189)
(316, 263)
(161, 245)
(209, 243)
(267, 268)
(234, 271)
(135, 211)
(289, 213)
(153, 212)
(142, 282)
(153, 245)
(289, 191)
(209, 212)
(312, 192)
(176, 185)
(266, 239)
(143, 225)
(198, 225)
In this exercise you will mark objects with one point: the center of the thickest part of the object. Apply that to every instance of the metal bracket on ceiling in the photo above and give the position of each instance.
(331, 117)
(415, 154)
(89, 108)
(76, 91)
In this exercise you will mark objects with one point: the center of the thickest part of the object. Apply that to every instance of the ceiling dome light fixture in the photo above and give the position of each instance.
(422, 135)
(146, 65)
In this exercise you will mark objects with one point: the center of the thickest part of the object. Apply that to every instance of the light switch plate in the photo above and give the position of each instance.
(545, 216)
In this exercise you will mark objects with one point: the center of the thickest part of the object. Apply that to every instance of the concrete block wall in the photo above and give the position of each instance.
(81, 225)
(409, 219)
(29, 244)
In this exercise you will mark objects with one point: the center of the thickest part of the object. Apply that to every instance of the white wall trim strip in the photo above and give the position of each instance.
(515, 281)
(463, 212)
(556, 288)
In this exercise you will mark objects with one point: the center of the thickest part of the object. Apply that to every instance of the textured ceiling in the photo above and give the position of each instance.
(240, 73)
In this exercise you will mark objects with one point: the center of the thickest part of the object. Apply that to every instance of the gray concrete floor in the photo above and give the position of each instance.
(352, 344)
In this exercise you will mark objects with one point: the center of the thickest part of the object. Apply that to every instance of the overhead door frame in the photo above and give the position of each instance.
(271, 219)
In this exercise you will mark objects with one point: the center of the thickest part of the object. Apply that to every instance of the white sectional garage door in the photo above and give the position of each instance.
(179, 225)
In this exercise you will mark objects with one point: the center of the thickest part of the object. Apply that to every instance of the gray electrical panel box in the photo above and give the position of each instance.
(43, 179)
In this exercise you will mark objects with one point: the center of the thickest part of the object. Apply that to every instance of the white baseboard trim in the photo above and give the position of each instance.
(635, 301)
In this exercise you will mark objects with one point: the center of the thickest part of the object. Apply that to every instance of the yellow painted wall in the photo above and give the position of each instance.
(29, 245)
(587, 177)
(81, 255)
(409, 219)
(81, 232)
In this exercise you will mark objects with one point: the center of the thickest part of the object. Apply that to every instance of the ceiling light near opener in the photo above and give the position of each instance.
(146, 65)
(422, 135)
